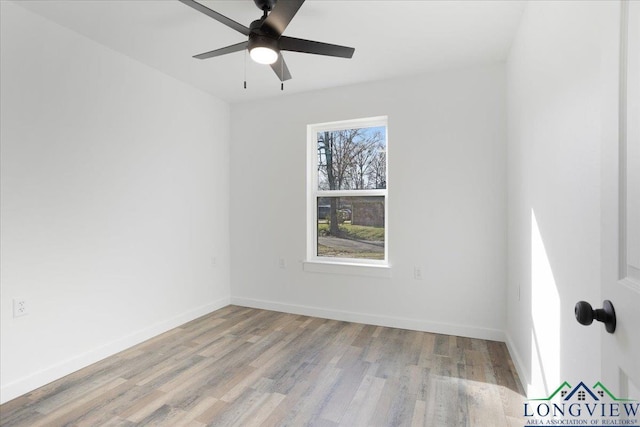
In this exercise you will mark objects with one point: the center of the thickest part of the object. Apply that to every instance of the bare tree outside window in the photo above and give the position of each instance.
(350, 161)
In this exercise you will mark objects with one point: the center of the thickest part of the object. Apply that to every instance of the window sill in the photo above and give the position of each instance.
(353, 269)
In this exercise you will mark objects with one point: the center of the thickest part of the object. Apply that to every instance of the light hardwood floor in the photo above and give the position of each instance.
(249, 367)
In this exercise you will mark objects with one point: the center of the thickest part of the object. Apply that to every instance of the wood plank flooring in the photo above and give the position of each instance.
(247, 367)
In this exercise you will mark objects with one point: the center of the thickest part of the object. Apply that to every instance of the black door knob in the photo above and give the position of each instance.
(607, 315)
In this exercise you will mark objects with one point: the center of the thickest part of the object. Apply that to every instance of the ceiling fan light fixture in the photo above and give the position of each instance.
(263, 55)
(263, 49)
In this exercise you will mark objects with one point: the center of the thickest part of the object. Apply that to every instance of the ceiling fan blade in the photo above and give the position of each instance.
(281, 69)
(282, 13)
(217, 16)
(223, 51)
(317, 48)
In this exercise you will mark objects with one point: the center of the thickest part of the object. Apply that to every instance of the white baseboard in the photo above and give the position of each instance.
(375, 319)
(59, 370)
(523, 373)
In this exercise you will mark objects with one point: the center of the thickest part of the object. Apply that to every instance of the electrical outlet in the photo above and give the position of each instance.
(417, 273)
(281, 263)
(20, 307)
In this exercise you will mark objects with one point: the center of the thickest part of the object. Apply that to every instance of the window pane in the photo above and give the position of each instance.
(352, 159)
(351, 227)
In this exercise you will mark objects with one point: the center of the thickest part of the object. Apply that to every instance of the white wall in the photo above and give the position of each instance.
(115, 196)
(447, 203)
(554, 105)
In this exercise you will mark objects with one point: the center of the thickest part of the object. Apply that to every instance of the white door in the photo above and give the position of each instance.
(621, 204)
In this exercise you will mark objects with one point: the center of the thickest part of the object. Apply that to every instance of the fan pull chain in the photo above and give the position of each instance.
(281, 72)
(245, 68)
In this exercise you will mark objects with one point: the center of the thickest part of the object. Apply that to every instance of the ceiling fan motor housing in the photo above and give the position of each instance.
(260, 40)
(265, 4)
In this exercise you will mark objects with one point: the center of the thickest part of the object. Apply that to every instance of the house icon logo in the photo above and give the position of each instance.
(582, 405)
(582, 392)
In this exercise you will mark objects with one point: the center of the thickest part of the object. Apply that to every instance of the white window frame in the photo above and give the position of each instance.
(315, 263)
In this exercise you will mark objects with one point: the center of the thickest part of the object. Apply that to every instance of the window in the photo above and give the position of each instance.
(347, 194)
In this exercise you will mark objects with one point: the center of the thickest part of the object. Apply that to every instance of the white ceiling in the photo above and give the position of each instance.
(392, 38)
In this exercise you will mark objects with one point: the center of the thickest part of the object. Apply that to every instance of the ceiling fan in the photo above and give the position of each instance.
(265, 40)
